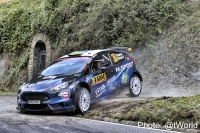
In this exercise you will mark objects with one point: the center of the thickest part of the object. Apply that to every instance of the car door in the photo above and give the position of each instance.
(109, 69)
(123, 68)
(98, 78)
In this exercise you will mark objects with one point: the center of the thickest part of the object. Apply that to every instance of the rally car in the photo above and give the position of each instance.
(75, 81)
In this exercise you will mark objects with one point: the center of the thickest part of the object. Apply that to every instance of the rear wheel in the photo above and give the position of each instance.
(135, 86)
(82, 100)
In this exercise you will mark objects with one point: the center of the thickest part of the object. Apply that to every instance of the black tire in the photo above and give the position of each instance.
(23, 111)
(82, 100)
(135, 86)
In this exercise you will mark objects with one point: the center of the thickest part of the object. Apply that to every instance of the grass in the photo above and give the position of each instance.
(158, 110)
(6, 93)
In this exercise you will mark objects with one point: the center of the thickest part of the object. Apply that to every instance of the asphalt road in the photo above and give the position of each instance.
(11, 121)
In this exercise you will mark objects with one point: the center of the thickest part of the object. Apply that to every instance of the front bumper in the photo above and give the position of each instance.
(54, 103)
(45, 107)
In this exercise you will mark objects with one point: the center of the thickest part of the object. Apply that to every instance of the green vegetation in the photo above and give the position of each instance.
(88, 23)
(83, 24)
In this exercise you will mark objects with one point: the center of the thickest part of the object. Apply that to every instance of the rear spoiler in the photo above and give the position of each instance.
(125, 49)
(121, 48)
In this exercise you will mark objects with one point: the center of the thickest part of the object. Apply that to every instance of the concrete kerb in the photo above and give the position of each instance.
(192, 131)
(135, 123)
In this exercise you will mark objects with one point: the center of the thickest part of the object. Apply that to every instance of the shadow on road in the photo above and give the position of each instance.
(49, 113)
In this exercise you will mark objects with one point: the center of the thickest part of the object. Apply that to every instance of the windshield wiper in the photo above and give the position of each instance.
(60, 74)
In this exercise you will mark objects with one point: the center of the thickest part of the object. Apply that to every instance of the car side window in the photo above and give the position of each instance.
(87, 71)
(106, 60)
(117, 57)
(96, 64)
(100, 61)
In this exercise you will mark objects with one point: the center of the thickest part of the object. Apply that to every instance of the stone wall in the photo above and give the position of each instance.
(40, 43)
(3, 59)
(34, 53)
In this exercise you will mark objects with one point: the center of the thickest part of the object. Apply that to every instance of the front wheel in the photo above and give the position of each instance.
(82, 100)
(135, 85)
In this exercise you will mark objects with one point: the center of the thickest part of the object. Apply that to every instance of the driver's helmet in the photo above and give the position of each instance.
(97, 63)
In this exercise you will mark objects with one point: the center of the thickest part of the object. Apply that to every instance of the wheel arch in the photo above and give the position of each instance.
(139, 75)
(85, 85)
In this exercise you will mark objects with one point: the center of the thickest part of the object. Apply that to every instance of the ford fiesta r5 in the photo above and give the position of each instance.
(76, 80)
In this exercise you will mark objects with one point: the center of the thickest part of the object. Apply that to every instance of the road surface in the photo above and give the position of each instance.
(11, 121)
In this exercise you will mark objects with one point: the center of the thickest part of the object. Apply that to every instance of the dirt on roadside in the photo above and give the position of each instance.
(169, 69)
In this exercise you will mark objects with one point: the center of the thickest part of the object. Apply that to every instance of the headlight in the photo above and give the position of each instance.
(74, 84)
(58, 87)
(22, 87)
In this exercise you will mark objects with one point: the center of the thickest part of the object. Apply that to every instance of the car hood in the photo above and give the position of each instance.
(43, 83)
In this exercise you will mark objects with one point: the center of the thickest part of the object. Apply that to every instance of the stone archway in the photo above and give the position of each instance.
(39, 58)
(40, 55)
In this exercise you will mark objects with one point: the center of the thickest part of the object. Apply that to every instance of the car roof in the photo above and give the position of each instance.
(82, 53)
(91, 53)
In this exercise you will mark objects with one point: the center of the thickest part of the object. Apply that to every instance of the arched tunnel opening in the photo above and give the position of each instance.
(39, 58)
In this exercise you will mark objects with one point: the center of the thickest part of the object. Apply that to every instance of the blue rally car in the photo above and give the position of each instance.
(76, 80)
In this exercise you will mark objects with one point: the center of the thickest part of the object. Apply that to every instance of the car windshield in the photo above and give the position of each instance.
(68, 66)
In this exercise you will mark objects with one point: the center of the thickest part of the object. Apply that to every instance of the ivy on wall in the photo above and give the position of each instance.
(83, 24)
